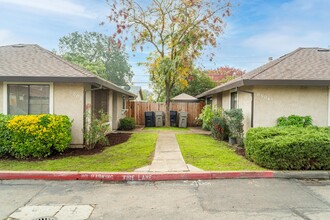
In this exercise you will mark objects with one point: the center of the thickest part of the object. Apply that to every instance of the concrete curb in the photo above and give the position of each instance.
(302, 174)
(147, 176)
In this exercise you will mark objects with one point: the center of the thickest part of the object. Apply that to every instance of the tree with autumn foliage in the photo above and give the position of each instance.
(224, 74)
(177, 30)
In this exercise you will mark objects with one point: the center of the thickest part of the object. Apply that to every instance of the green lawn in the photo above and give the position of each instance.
(136, 152)
(208, 154)
(165, 129)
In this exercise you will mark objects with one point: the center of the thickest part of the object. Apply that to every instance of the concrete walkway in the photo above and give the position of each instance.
(168, 157)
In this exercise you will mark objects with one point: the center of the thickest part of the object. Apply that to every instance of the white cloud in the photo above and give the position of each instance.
(6, 37)
(279, 42)
(65, 7)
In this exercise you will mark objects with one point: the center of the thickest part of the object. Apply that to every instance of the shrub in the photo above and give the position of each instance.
(96, 129)
(219, 128)
(289, 148)
(35, 135)
(126, 124)
(234, 119)
(295, 120)
(5, 135)
(207, 114)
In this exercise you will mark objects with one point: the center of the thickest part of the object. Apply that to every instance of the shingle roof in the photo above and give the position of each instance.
(303, 66)
(184, 97)
(30, 62)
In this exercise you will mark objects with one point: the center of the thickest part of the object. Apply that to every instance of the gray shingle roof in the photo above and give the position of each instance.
(303, 66)
(30, 62)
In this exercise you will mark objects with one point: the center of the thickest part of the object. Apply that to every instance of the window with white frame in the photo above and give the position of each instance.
(28, 99)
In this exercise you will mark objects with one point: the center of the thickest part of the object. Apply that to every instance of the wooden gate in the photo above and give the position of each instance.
(136, 109)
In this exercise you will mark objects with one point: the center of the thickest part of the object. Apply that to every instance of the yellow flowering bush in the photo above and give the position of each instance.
(38, 135)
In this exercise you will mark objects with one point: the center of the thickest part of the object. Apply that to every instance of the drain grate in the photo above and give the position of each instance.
(46, 218)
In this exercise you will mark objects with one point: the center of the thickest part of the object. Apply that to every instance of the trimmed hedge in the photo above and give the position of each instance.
(295, 120)
(25, 136)
(289, 148)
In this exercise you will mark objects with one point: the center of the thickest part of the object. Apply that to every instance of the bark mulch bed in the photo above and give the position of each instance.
(113, 138)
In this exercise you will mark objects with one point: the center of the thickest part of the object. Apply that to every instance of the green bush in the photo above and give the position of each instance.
(234, 119)
(219, 128)
(295, 120)
(207, 114)
(289, 148)
(126, 124)
(96, 129)
(25, 136)
(5, 135)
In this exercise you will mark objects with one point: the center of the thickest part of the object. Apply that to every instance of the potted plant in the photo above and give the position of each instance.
(234, 120)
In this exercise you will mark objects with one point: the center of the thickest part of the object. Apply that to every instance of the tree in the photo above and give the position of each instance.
(177, 30)
(97, 53)
(198, 82)
(224, 74)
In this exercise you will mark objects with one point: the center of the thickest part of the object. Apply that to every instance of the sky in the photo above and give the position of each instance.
(255, 31)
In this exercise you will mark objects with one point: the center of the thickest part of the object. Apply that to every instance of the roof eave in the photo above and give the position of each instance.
(96, 80)
(222, 88)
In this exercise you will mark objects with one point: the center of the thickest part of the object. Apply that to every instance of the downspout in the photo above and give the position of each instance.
(252, 105)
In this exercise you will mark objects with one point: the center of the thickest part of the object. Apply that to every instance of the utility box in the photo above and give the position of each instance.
(173, 118)
(183, 117)
(159, 115)
(149, 119)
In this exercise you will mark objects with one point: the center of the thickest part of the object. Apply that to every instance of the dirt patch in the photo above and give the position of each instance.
(113, 138)
(240, 151)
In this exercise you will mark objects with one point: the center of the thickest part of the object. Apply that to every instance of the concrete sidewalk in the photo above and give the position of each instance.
(168, 157)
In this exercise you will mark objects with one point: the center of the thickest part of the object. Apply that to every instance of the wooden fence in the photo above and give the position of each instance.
(136, 109)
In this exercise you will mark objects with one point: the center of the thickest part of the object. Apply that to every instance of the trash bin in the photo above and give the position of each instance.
(149, 119)
(183, 117)
(159, 118)
(173, 118)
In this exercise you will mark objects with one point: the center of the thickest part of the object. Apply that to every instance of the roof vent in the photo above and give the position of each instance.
(270, 59)
(18, 45)
(323, 50)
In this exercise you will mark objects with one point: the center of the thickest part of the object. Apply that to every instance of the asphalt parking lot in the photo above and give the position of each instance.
(214, 199)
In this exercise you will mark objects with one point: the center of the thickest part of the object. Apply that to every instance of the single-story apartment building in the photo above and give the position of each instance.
(34, 80)
(296, 83)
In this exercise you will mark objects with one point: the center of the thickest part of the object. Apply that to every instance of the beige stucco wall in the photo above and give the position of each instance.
(274, 102)
(217, 100)
(225, 100)
(117, 111)
(110, 107)
(244, 103)
(69, 100)
(1, 97)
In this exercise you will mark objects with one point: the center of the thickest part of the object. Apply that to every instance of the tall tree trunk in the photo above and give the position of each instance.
(167, 102)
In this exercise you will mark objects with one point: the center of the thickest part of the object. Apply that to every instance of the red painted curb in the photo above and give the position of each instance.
(112, 176)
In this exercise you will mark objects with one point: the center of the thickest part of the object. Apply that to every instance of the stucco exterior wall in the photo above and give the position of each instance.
(69, 100)
(110, 107)
(244, 102)
(217, 100)
(1, 98)
(225, 100)
(274, 102)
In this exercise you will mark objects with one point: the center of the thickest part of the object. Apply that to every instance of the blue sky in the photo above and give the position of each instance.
(257, 29)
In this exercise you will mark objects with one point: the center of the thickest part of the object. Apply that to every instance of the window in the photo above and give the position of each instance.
(28, 99)
(233, 100)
